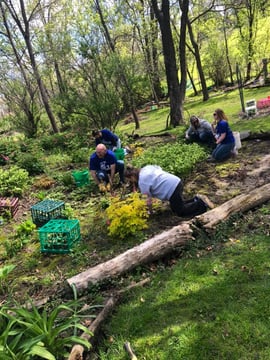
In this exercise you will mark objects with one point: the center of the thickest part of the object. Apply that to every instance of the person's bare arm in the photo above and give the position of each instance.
(113, 169)
(221, 138)
(94, 176)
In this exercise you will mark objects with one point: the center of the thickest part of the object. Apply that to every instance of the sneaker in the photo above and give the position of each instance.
(208, 203)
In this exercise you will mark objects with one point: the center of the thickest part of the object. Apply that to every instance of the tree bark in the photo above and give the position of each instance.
(184, 5)
(163, 17)
(198, 61)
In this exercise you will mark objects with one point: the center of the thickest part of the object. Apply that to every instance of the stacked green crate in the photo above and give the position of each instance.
(59, 236)
(46, 210)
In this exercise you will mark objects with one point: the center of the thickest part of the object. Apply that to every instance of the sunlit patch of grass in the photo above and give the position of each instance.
(226, 169)
(155, 121)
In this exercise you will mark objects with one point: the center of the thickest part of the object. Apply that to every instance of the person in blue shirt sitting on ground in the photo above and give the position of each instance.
(224, 137)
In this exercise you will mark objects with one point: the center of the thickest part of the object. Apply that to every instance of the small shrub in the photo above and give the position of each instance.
(126, 217)
(51, 142)
(80, 156)
(25, 229)
(31, 163)
(4, 272)
(67, 180)
(8, 150)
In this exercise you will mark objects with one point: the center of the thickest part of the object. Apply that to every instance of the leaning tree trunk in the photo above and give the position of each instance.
(41, 86)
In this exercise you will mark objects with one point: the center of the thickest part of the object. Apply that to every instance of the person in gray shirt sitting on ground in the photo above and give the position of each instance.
(200, 131)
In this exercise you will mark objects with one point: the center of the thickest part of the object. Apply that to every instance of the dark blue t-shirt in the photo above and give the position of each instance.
(107, 138)
(223, 127)
(105, 163)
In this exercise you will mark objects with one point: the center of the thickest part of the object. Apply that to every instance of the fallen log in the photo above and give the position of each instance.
(240, 203)
(262, 135)
(149, 251)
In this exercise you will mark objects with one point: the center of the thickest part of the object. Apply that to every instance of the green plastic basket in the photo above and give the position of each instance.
(59, 236)
(45, 210)
(81, 177)
(120, 154)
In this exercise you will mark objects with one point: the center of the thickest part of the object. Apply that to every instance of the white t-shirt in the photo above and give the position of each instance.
(155, 182)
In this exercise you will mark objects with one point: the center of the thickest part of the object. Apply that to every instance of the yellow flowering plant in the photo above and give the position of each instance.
(127, 216)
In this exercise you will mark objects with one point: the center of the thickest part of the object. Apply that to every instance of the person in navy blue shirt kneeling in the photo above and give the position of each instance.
(103, 166)
(107, 138)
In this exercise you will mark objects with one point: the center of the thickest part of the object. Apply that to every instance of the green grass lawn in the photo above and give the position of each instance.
(155, 121)
(212, 304)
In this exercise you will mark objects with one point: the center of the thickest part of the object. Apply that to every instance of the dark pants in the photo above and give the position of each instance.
(102, 175)
(191, 207)
(205, 137)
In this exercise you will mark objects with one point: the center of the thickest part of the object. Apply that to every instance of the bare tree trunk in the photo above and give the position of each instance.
(163, 17)
(41, 86)
(198, 62)
(184, 4)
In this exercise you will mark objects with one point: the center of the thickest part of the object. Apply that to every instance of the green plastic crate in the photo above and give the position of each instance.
(81, 177)
(59, 236)
(46, 210)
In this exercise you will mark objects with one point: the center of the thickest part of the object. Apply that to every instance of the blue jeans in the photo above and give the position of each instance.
(102, 175)
(222, 151)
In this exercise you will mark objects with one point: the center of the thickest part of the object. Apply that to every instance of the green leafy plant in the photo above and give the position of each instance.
(31, 163)
(4, 272)
(13, 181)
(25, 229)
(44, 335)
(126, 217)
(178, 159)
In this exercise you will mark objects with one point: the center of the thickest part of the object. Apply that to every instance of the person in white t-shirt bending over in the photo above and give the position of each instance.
(157, 183)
